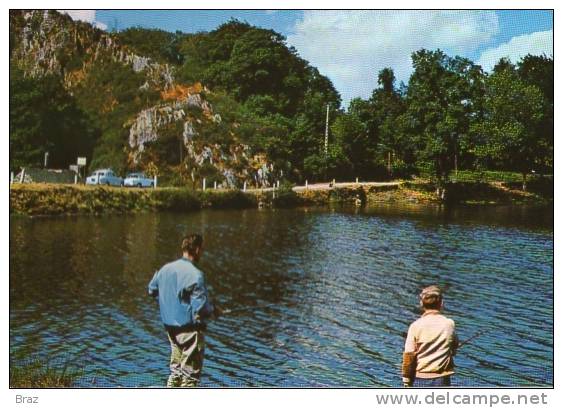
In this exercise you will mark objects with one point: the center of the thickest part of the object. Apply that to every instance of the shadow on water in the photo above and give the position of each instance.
(341, 285)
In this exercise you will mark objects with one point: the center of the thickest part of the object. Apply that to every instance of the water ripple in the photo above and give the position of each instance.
(333, 294)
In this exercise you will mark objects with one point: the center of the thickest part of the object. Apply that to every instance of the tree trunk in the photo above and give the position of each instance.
(441, 187)
(524, 175)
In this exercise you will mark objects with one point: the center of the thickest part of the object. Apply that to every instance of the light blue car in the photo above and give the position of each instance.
(104, 176)
(138, 180)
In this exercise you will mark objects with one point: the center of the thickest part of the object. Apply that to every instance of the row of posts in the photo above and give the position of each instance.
(277, 185)
(22, 176)
(204, 185)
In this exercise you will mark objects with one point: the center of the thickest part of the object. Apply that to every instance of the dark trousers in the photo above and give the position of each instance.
(445, 381)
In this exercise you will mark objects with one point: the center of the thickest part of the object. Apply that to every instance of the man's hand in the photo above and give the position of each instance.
(218, 311)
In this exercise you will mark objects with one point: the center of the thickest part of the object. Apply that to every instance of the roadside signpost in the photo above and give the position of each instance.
(81, 162)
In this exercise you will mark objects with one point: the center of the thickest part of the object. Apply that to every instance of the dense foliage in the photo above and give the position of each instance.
(44, 118)
(277, 97)
(450, 115)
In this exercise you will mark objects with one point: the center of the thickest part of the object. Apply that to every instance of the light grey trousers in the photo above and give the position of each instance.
(186, 358)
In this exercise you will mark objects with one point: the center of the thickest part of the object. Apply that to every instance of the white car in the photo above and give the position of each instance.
(138, 180)
(104, 176)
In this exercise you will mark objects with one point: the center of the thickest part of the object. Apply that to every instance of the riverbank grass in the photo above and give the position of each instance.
(488, 188)
(37, 374)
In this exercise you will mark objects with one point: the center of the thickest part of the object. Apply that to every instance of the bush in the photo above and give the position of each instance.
(348, 194)
(228, 199)
(176, 199)
(286, 198)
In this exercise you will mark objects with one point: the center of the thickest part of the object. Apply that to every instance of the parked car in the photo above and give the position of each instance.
(138, 180)
(104, 176)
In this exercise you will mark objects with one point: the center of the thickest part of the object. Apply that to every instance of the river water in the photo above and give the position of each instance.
(341, 285)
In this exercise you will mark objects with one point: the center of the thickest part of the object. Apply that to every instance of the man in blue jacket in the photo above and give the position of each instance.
(184, 309)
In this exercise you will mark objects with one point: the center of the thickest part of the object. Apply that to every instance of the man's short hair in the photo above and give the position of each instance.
(191, 242)
(431, 297)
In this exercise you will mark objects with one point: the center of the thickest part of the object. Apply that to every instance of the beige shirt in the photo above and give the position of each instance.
(432, 337)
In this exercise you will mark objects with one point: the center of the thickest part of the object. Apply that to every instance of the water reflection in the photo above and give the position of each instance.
(341, 287)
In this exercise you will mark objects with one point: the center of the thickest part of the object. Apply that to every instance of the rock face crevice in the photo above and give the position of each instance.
(45, 42)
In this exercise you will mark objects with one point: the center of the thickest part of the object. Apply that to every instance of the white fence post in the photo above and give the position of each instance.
(75, 178)
(12, 177)
(204, 184)
(356, 180)
(215, 185)
(244, 186)
(155, 181)
(278, 184)
(306, 184)
(22, 175)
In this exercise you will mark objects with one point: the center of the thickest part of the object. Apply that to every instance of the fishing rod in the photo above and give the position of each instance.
(466, 341)
(253, 307)
(476, 335)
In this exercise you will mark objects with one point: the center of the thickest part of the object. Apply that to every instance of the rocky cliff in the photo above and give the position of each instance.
(47, 42)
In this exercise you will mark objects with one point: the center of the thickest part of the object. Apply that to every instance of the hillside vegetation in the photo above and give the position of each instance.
(237, 104)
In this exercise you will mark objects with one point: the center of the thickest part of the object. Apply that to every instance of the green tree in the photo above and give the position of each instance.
(387, 105)
(509, 130)
(538, 71)
(159, 45)
(441, 99)
(334, 164)
(44, 117)
(352, 140)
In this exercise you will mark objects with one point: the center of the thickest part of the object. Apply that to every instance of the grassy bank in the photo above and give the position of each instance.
(36, 374)
(51, 199)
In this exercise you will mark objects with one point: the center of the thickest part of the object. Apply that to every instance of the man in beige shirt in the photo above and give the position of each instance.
(431, 344)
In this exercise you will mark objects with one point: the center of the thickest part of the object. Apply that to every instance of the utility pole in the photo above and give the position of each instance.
(326, 130)
(455, 137)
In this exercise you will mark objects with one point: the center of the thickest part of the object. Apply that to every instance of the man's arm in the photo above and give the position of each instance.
(153, 285)
(201, 305)
(455, 342)
(408, 368)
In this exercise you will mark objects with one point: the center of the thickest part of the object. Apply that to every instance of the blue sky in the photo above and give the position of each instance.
(350, 47)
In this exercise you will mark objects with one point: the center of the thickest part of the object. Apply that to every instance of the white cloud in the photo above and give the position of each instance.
(88, 16)
(538, 43)
(350, 47)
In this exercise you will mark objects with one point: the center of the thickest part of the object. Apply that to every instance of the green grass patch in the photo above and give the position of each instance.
(37, 374)
(488, 176)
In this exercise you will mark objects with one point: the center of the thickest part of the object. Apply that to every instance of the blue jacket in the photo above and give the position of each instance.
(181, 293)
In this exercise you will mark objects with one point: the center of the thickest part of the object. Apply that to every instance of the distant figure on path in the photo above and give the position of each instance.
(184, 308)
(428, 359)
